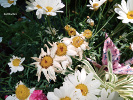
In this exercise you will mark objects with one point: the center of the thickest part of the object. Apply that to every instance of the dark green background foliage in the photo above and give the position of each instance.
(26, 37)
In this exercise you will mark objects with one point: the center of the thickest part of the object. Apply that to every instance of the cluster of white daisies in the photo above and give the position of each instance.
(82, 86)
(58, 57)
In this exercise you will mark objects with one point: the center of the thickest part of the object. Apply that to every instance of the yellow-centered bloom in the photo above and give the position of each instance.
(15, 64)
(7, 3)
(125, 11)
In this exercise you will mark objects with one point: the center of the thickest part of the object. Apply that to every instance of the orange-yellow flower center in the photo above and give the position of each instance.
(10, 2)
(39, 7)
(46, 62)
(95, 6)
(67, 27)
(77, 41)
(87, 33)
(61, 49)
(71, 31)
(22, 92)
(49, 9)
(130, 15)
(16, 62)
(66, 98)
(83, 88)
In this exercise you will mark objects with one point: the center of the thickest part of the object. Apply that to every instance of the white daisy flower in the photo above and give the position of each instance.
(87, 85)
(78, 42)
(34, 5)
(51, 6)
(62, 49)
(125, 11)
(1, 39)
(15, 64)
(54, 31)
(108, 95)
(48, 64)
(22, 92)
(7, 3)
(131, 46)
(66, 92)
(95, 4)
(48, 7)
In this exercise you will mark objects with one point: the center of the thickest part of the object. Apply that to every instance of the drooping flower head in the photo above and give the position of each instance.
(125, 11)
(48, 64)
(95, 4)
(7, 3)
(15, 64)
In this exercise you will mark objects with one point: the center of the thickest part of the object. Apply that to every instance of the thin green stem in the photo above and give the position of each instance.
(28, 66)
(4, 23)
(103, 26)
(48, 19)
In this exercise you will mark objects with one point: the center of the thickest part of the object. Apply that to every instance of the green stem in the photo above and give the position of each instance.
(48, 19)
(4, 23)
(103, 26)
(28, 66)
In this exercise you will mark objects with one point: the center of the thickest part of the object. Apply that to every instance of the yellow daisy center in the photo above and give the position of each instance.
(130, 15)
(16, 62)
(66, 98)
(39, 7)
(46, 62)
(10, 2)
(83, 88)
(87, 33)
(61, 49)
(49, 9)
(67, 27)
(22, 92)
(71, 31)
(77, 41)
(95, 6)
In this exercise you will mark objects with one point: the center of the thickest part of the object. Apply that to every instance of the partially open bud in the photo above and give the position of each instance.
(71, 31)
(131, 46)
(87, 33)
(91, 22)
(67, 27)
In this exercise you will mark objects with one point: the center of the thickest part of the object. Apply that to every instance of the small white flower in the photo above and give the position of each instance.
(108, 95)
(1, 39)
(95, 4)
(90, 21)
(7, 3)
(66, 92)
(51, 6)
(48, 7)
(87, 85)
(15, 64)
(21, 92)
(48, 64)
(131, 46)
(125, 11)
(54, 31)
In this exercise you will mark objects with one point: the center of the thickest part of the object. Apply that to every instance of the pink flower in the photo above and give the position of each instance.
(118, 68)
(38, 95)
(6, 96)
